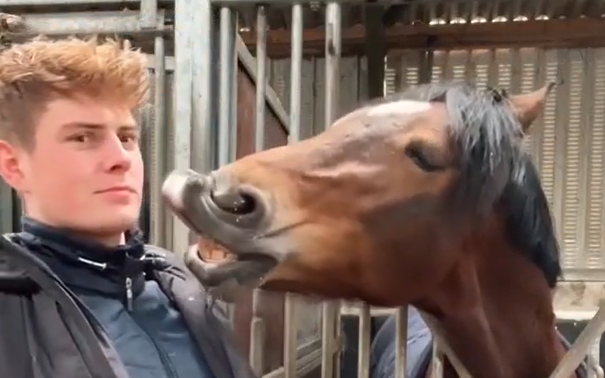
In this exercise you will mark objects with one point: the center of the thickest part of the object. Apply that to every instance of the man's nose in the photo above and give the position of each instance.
(115, 156)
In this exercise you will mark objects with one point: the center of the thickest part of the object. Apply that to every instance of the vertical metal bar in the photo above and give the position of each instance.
(226, 126)
(257, 326)
(401, 343)
(183, 82)
(330, 311)
(257, 337)
(261, 77)
(234, 87)
(365, 339)
(290, 319)
(203, 153)
(158, 150)
(296, 72)
(149, 13)
(290, 339)
(333, 52)
(227, 50)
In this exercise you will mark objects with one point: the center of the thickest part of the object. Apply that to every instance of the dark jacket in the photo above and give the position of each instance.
(69, 308)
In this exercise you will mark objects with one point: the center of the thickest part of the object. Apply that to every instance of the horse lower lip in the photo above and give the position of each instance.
(247, 269)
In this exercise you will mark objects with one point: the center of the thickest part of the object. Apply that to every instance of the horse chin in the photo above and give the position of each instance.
(249, 258)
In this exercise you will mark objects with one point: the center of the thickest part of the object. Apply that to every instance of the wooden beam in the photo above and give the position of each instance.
(572, 33)
(375, 49)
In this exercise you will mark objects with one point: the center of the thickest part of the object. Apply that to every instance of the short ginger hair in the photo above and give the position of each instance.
(32, 73)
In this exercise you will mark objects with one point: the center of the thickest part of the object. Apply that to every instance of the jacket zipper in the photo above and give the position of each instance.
(170, 372)
(128, 285)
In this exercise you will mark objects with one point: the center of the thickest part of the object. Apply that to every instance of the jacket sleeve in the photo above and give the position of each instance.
(34, 339)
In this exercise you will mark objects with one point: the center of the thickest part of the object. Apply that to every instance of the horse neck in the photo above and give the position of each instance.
(495, 311)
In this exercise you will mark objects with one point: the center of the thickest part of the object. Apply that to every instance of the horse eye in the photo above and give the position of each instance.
(421, 160)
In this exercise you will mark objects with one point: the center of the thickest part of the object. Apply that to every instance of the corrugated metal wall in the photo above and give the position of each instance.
(567, 143)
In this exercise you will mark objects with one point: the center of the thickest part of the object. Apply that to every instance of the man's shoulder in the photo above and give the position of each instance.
(168, 268)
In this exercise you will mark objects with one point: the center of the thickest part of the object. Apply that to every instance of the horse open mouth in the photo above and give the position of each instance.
(230, 220)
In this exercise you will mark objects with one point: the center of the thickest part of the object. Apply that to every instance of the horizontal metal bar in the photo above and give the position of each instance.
(98, 22)
(169, 62)
(286, 2)
(303, 2)
(583, 314)
(5, 4)
(584, 274)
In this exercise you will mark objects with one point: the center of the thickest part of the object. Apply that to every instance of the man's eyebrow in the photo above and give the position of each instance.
(96, 126)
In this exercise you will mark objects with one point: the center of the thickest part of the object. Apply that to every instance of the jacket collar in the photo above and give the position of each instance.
(87, 265)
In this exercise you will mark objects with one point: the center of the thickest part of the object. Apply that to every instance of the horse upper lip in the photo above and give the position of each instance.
(188, 195)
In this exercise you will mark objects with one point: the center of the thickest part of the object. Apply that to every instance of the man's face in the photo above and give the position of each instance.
(85, 171)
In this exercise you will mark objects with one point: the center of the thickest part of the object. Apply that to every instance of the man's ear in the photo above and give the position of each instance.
(11, 166)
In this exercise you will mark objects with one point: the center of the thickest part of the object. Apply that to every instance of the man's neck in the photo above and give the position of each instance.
(108, 239)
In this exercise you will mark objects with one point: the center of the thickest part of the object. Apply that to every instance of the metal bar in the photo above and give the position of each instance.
(98, 22)
(149, 14)
(248, 61)
(203, 155)
(437, 360)
(584, 342)
(365, 340)
(158, 150)
(330, 311)
(249, 2)
(441, 348)
(257, 327)
(290, 336)
(261, 77)
(234, 87)
(296, 73)
(257, 337)
(332, 52)
(290, 319)
(401, 343)
(7, 4)
(183, 84)
(168, 62)
(308, 360)
(227, 49)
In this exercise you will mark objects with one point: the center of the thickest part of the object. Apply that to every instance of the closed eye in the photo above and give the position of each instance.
(422, 159)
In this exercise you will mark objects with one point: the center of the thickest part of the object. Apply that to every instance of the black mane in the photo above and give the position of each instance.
(494, 168)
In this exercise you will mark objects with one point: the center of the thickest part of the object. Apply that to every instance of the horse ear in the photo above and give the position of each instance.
(529, 105)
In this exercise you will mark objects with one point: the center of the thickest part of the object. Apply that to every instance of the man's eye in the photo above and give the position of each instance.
(131, 138)
(80, 138)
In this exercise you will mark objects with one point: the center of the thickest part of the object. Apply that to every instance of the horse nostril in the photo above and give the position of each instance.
(235, 201)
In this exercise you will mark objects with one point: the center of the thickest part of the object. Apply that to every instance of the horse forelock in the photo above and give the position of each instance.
(494, 168)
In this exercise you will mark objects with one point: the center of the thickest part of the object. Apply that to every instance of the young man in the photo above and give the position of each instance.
(80, 294)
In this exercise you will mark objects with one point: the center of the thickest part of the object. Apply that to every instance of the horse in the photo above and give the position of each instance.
(424, 198)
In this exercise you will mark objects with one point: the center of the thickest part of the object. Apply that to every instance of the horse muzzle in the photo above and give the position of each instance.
(234, 216)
